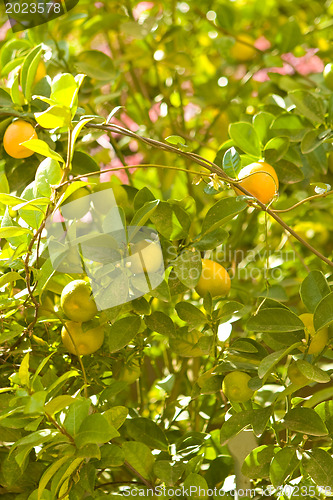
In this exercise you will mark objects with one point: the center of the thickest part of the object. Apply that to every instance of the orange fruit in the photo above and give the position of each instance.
(40, 72)
(261, 181)
(214, 279)
(86, 342)
(243, 52)
(319, 339)
(19, 131)
(235, 387)
(146, 257)
(77, 301)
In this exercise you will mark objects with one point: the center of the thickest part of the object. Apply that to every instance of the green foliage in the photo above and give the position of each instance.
(153, 97)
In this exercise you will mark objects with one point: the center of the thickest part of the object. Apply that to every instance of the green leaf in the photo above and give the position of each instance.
(290, 125)
(95, 428)
(59, 403)
(261, 123)
(64, 90)
(245, 137)
(190, 314)
(96, 65)
(122, 332)
(144, 213)
(197, 484)
(170, 220)
(190, 343)
(35, 402)
(283, 464)
(10, 277)
(111, 456)
(319, 465)
(76, 132)
(28, 70)
(325, 411)
(211, 240)
(260, 420)
(187, 267)
(256, 465)
(168, 472)
(53, 117)
(273, 359)
(310, 141)
(49, 473)
(35, 439)
(11, 231)
(313, 289)
(304, 420)
(309, 105)
(289, 36)
(42, 148)
(235, 424)
(275, 149)
(116, 416)
(76, 414)
(176, 140)
(139, 456)
(48, 174)
(148, 432)
(275, 320)
(223, 211)
(160, 322)
(323, 315)
(232, 163)
(312, 372)
(24, 371)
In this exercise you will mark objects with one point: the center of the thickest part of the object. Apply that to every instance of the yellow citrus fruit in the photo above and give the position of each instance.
(318, 340)
(128, 372)
(262, 181)
(77, 301)
(214, 279)
(146, 257)
(328, 76)
(103, 202)
(86, 342)
(243, 52)
(18, 132)
(40, 73)
(77, 204)
(235, 387)
(296, 376)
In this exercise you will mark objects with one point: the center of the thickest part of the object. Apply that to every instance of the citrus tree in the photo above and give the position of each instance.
(131, 366)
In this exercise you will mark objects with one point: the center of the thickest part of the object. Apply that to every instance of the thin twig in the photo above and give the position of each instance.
(217, 170)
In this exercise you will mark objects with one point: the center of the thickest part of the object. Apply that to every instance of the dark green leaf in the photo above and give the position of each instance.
(122, 332)
(306, 421)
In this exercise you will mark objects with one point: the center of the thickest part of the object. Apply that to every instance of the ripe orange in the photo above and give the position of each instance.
(19, 131)
(214, 279)
(86, 342)
(151, 255)
(318, 339)
(77, 301)
(235, 387)
(40, 73)
(243, 52)
(262, 181)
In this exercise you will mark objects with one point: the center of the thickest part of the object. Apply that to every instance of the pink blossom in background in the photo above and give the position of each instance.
(104, 141)
(99, 5)
(154, 112)
(133, 146)
(140, 8)
(3, 30)
(135, 159)
(262, 43)
(190, 111)
(126, 121)
(305, 65)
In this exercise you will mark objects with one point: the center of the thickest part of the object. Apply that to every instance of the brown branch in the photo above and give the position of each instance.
(217, 170)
